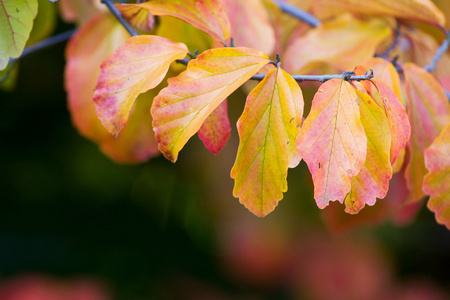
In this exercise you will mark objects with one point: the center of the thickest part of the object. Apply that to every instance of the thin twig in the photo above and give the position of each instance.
(394, 44)
(119, 17)
(321, 78)
(440, 51)
(51, 41)
(297, 13)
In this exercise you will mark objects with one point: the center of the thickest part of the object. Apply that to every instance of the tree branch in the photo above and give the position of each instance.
(119, 17)
(394, 44)
(297, 13)
(322, 78)
(440, 51)
(51, 41)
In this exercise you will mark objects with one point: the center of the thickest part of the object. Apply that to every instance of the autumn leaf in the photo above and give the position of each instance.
(80, 11)
(267, 130)
(418, 10)
(428, 112)
(372, 182)
(385, 71)
(140, 18)
(250, 24)
(16, 21)
(85, 52)
(207, 15)
(437, 182)
(342, 43)
(400, 128)
(132, 69)
(180, 109)
(215, 130)
(332, 141)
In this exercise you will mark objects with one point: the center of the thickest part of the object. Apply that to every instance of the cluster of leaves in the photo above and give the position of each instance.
(355, 137)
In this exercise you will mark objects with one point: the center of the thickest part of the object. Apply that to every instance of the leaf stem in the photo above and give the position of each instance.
(119, 17)
(440, 51)
(297, 13)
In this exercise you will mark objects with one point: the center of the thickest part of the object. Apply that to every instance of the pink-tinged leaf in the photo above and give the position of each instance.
(428, 112)
(215, 131)
(342, 43)
(332, 141)
(207, 15)
(140, 18)
(372, 181)
(385, 71)
(132, 69)
(85, 52)
(250, 24)
(180, 109)
(397, 116)
(267, 130)
(16, 22)
(437, 182)
(80, 11)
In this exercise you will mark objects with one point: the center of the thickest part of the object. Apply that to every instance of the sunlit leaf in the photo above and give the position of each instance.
(85, 52)
(342, 43)
(16, 21)
(132, 69)
(267, 130)
(140, 18)
(250, 25)
(215, 130)
(437, 182)
(207, 15)
(372, 182)
(428, 112)
(418, 10)
(398, 119)
(332, 141)
(182, 107)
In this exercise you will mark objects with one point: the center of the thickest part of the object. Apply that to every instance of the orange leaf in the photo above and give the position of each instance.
(332, 141)
(437, 182)
(428, 112)
(180, 109)
(207, 15)
(84, 54)
(373, 180)
(215, 131)
(267, 130)
(140, 18)
(250, 24)
(132, 69)
(419, 10)
(342, 43)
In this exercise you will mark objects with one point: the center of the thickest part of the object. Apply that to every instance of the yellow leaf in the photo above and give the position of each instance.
(180, 109)
(267, 130)
(372, 182)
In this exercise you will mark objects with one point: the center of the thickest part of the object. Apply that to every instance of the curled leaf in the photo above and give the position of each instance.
(267, 130)
(132, 69)
(140, 18)
(207, 15)
(332, 141)
(437, 182)
(180, 109)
